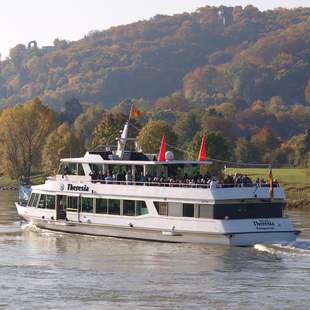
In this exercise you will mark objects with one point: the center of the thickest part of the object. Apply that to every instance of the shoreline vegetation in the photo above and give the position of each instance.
(295, 182)
(7, 183)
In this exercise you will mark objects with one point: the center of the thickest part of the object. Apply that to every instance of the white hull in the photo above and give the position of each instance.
(215, 231)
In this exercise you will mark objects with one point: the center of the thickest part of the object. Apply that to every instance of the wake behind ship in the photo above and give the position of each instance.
(130, 194)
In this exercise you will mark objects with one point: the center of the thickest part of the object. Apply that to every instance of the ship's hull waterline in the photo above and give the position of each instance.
(162, 235)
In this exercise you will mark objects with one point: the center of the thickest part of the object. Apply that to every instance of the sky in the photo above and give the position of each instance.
(44, 20)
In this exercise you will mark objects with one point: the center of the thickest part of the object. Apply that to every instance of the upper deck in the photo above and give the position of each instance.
(192, 193)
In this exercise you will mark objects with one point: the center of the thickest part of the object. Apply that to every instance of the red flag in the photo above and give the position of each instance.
(162, 150)
(203, 150)
(134, 112)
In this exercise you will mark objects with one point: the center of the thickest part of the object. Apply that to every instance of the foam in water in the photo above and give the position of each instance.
(298, 247)
(264, 248)
(29, 227)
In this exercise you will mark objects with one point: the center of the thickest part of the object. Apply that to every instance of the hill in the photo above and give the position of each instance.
(211, 56)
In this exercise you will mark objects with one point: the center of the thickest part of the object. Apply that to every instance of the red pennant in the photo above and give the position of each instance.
(162, 150)
(203, 150)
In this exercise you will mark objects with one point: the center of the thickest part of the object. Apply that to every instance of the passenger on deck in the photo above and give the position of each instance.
(275, 183)
(141, 178)
(109, 179)
(114, 178)
(128, 178)
(213, 184)
(100, 175)
(66, 171)
(93, 175)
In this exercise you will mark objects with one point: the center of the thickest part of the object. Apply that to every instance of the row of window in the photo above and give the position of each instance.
(116, 206)
(184, 210)
(72, 169)
(108, 206)
(42, 201)
(220, 211)
(90, 205)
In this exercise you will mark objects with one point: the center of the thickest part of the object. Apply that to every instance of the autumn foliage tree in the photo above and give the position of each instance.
(61, 143)
(23, 130)
(151, 134)
(217, 148)
(108, 130)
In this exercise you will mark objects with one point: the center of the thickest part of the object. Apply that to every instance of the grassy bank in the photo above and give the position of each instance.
(295, 181)
(6, 181)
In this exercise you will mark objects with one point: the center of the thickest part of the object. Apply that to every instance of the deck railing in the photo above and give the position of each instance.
(182, 184)
(176, 184)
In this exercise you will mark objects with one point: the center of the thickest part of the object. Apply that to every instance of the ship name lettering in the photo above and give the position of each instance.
(260, 223)
(83, 188)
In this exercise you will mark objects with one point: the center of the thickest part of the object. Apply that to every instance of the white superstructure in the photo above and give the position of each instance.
(131, 195)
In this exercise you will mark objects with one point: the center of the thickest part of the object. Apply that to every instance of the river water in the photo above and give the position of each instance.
(47, 270)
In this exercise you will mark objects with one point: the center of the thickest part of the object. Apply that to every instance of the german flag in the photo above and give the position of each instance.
(270, 179)
(134, 112)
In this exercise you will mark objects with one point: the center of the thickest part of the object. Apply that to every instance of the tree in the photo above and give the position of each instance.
(217, 148)
(187, 126)
(151, 134)
(17, 54)
(307, 140)
(108, 130)
(23, 130)
(60, 143)
(86, 122)
(72, 110)
(216, 144)
(246, 151)
(216, 122)
(266, 139)
(307, 92)
(175, 102)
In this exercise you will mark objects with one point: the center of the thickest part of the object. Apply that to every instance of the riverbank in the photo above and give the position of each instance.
(7, 183)
(295, 181)
(297, 204)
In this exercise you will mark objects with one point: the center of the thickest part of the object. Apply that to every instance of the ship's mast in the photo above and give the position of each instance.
(121, 143)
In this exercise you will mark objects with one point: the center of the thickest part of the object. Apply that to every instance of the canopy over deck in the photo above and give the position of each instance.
(97, 159)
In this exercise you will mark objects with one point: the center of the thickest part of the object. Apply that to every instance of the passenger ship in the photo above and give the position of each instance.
(75, 201)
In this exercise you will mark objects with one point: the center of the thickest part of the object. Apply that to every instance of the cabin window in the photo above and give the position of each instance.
(35, 200)
(80, 170)
(42, 201)
(72, 203)
(129, 207)
(245, 211)
(31, 200)
(114, 207)
(102, 206)
(175, 209)
(188, 209)
(96, 168)
(206, 211)
(50, 202)
(72, 168)
(161, 207)
(87, 204)
(141, 208)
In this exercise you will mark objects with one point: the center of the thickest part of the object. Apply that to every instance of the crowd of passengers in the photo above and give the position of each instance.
(236, 180)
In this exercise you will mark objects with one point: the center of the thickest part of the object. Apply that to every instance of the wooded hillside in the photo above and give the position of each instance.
(251, 55)
(237, 75)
